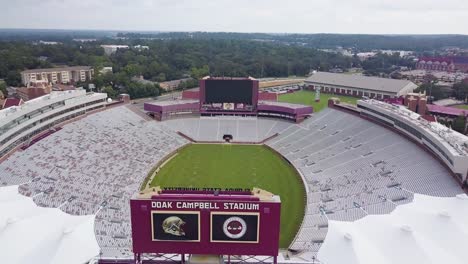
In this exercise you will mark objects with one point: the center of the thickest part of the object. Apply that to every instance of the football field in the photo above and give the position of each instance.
(308, 98)
(239, 166)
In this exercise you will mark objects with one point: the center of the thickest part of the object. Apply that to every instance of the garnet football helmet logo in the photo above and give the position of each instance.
(234, 227)
(173, 225)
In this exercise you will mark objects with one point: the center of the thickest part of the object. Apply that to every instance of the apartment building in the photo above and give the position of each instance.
(63, 75)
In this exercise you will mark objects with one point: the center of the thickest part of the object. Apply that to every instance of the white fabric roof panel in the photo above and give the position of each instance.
(42, 235)
(428, 230)
(361, 82)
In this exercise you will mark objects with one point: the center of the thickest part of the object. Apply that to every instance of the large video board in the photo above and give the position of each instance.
(229, 91)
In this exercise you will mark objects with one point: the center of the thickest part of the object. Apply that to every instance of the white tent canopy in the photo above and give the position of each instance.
(428, 230)
(29, 233)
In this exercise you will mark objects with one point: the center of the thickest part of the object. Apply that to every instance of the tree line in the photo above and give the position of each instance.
(168, 60)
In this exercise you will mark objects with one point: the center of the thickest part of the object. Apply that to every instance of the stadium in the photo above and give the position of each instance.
(75, 169)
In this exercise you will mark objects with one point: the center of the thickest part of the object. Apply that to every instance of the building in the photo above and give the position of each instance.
(172, 85)
(140, 47)
(84, 40)
(449, 64)
(443, 77)
(111, 49)
(49, 42)
(35, 89)
(9, 102)
(27, 94)
(22, 122)
(62, 75)
(105, 70)
(355, 85)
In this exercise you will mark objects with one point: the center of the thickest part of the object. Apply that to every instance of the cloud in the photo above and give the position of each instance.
(304, 16)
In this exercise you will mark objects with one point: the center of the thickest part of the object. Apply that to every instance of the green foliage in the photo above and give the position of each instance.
(172, 59)
(459, 124)
(460, 91)
(110, 92)
(383, 64)
(438, 92)
(3, 87)
(188, 84)
(360, 42)
(139, 90)
(239, 166)
(13, 78)
(199, 73)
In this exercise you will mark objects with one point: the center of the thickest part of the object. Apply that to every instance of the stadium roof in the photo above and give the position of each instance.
(428, 230)
(33, 234)
(454, 141)
(44, 100)
(360, 82)
(173, 102)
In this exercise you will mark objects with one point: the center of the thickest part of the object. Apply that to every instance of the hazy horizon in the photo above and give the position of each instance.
(387, 17)
(235, 32)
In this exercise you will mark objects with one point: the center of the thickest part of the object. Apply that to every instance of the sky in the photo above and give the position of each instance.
(270, 16)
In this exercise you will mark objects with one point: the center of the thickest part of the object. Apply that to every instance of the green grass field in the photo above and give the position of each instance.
(462, 106)
(308, 98)
(239, 166)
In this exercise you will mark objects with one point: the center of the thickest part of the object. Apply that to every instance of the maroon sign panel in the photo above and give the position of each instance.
(205, 224)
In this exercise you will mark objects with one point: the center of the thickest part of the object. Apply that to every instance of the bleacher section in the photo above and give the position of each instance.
(93, 166)
(353, 168)
(243, 129)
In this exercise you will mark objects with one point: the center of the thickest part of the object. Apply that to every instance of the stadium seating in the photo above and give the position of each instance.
(353, 168)
(243, 129)
(93, 166)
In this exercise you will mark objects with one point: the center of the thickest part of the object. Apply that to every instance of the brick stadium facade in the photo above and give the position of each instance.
(448, 64)
(194, 102)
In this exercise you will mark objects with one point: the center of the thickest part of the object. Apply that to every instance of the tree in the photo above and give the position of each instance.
(459, 124)
(3, 87)
(132, 70)
(110, 92)
(460, 90)
(13, 78)
(436, 91)
(199, 73)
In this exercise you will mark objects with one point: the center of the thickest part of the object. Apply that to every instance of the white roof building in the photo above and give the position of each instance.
(357, 85)
(110, 49)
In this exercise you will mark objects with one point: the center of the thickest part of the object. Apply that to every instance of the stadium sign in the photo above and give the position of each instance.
(204, 189)
(194, 222)
(204, 205)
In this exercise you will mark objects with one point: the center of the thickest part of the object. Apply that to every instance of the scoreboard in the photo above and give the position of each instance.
(226, 94)
(221, 223)
(228, 91)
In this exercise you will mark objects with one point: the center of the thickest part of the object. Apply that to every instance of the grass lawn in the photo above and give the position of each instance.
(239, 166)
(462, 106)
(308, 98)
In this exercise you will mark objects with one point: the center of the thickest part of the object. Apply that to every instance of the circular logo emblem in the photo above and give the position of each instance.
(234, 227)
